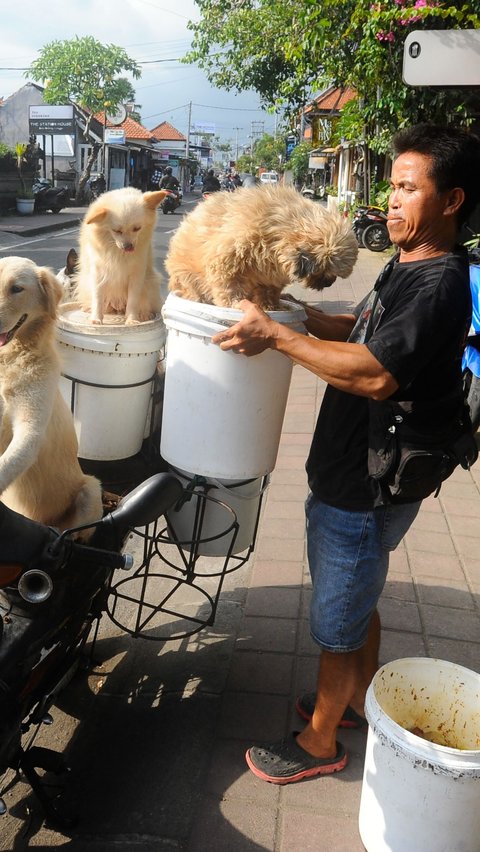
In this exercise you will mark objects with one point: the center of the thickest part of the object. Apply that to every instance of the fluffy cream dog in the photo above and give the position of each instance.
(115, 265)
(40, 476)
(253, 243)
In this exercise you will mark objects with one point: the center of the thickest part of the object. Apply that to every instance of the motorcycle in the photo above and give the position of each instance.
(97, 185)
(52, 590)
(172, 200)
(370, 227)
(48, 197)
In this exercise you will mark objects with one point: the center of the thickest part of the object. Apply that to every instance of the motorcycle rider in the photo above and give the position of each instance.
(169, 181)
(211, 183)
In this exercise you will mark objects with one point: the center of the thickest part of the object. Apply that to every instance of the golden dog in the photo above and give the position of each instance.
(253, 243)
(40, 476)
(115, 265)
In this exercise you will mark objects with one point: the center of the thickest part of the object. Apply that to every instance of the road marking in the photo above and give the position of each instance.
(37, 239)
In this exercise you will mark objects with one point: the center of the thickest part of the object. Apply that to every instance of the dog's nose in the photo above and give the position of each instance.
(128, 246)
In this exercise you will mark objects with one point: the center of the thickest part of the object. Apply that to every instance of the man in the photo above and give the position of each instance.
(211, 183)
(169, 181)
(403, 342)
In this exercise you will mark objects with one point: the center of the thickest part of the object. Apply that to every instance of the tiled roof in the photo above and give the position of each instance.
(333, 100)
(167, 132)
(133, 130)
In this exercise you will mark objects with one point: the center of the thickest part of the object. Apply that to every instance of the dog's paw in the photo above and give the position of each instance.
(132, 321)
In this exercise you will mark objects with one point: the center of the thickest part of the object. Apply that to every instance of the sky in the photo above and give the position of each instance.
(148, 30)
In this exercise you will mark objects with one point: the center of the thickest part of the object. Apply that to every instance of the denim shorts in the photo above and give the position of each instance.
(348, 553)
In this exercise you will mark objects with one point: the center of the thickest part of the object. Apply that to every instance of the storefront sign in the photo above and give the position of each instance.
(54, 120)
(114, 136)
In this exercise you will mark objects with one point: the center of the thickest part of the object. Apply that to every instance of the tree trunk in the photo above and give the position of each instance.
(79, 197)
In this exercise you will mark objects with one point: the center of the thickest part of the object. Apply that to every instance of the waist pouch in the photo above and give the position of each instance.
(408, 463)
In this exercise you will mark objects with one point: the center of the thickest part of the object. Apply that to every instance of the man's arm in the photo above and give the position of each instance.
(348, 366)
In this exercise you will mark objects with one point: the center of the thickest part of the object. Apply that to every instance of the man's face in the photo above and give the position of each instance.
(416, 208)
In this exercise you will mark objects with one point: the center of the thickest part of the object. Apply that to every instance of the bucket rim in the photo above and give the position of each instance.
(291, 312)
(458, 762)
(104, 330)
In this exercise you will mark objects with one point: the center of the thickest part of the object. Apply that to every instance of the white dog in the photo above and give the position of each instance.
(115, 267)
(40, 476)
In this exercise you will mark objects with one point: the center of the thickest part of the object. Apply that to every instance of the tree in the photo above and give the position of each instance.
(298, 162)
(268, 152)
(85, 72)
(289, 51)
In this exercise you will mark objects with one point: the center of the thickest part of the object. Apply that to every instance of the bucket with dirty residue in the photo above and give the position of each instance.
(421, 782)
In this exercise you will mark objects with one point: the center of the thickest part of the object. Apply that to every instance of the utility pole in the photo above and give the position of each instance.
(186, 178)
(236, 129)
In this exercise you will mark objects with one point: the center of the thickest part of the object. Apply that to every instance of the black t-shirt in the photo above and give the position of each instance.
(417, 332)
(169, 182)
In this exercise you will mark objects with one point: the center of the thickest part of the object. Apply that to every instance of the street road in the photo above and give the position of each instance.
(51, 249)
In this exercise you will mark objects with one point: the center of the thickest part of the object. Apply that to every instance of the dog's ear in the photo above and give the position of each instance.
(96, 215)
(51, 289)
(307, 264)
(153, 199)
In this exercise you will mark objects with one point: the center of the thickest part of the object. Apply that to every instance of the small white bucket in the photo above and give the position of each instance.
(107, 379)
(420, 795)
(221, 503)
(222, 412)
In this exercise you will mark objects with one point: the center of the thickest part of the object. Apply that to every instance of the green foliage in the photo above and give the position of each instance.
(85, 71)
(289, 51)
(20, 156)
(298, 162)
(8, 160)
(380, 193)
(268, 151)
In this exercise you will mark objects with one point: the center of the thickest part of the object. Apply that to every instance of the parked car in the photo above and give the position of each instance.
(269, 177)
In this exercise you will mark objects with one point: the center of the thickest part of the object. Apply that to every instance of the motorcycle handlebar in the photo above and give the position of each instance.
(96, 556)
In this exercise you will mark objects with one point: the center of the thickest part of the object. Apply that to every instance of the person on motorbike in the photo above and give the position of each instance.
(211, 183)
(169, 181)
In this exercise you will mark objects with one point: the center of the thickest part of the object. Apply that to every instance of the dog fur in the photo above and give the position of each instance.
(40, 476)
(115, 265)
(253, 243)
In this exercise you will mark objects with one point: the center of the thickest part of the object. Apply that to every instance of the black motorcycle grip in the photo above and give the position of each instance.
(95, 556)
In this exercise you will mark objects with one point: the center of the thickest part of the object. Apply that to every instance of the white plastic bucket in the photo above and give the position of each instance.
(224, 503)
(107, 380)
(417, 795)
(222, 412)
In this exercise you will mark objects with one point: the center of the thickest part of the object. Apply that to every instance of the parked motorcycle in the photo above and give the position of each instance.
(52, 589)
(370, 227)
(172, 200)
(97, 185)
(48, 197)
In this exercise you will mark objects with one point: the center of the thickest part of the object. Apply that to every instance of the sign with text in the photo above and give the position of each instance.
(54, 120)
(114, 136)
(203, 128)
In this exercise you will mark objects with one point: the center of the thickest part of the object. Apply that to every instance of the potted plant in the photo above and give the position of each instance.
(25, 198)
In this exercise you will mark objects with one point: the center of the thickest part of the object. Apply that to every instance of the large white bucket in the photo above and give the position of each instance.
(222, 412)
(417, 795)
(107, 380)
(219, 504)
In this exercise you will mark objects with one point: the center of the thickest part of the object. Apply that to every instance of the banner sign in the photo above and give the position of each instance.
(54, 120)
(290, 144)
(203, 128)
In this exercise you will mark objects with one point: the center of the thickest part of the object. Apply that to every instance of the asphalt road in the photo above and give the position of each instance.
(51, 249)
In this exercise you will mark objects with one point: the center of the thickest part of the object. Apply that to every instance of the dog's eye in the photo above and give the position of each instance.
(15, 288)
(117, 230)
(137, 228)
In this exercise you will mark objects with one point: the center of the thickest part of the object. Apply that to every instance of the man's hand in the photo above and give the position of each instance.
(254, 333)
